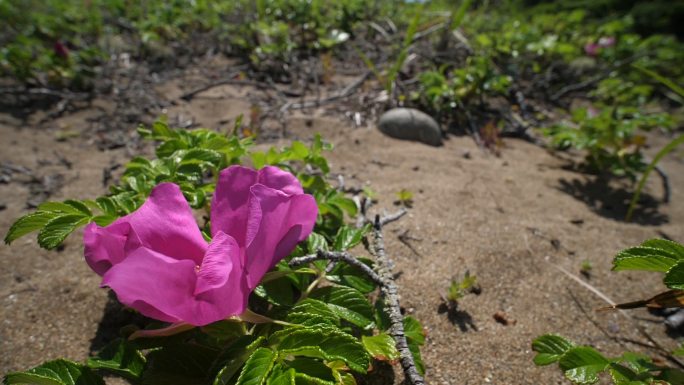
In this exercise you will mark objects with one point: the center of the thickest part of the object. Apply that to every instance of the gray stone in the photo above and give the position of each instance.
(410, 124)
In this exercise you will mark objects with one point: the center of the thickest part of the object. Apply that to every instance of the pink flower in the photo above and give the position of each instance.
(606, 41)
(591, 49)
(157, 262)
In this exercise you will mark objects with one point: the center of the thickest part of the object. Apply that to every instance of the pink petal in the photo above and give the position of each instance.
(230, 205)
(164, 223)
(277, 222)
(158, 286)
(278, 179)
(104, 246)
(217, 264)
(164, 288)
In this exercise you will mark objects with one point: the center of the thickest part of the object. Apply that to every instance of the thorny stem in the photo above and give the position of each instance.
(389, 291)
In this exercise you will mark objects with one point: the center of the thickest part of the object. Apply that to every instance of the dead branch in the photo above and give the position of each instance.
(392, 307)
(337, 256)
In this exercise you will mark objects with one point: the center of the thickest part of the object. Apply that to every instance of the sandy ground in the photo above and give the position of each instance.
(512, 220)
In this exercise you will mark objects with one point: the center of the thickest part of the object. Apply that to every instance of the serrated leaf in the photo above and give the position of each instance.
(664, 244)
(353, 277)
(107, 205)
(345, 204)
(314, 369)
(414, 348)
(79, 206)
(257, 367)
(231, 359)
(348, 237)
(381, 347)
(413, 330)
(182, 363)
(28, 223)
(316, 242)
(644, 258)
(57, 372)
(674, 278)
(314, 309)
(57, 229)
(349, 304)
(58, 207)
(582, 364)
(119, 357)
(277, 291)
(225, 329)
(550, 348)
(328, 343)
(281, 376)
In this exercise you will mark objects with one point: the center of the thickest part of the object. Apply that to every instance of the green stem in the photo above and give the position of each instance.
(664, 151)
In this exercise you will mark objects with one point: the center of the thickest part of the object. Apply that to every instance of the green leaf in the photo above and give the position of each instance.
(225, 329)
(57, 372)
(281, 376)
(550, 348)
(312, 312)
(353, 277)
(644, 258)
(119, 357)
(414, 348)
(316, 242)
(674, 278)
(257, 367)
(583, 364)
(278, 291)
(348, 237)
(233, 357)
(329, 343)
(349, 304)
(345, 204)
(183, 363)
(414, 330)
(57, 229)
(313, 369)
(28, 223)
(381, 347)
(666, 245)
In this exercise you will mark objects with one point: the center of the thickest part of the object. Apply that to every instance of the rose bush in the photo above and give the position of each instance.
(158, 263)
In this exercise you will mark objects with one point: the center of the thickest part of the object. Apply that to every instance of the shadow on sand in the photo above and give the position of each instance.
(610, 198)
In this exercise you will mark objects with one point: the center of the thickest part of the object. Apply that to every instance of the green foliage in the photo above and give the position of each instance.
(610, 136)
(459, 288)
(325, 331)
(57, 372)
(584, 364)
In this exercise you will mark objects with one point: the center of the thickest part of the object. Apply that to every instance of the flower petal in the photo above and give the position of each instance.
(230, 205)
(278, 179)
(218, 263)
(277, 222)
(164, 288)
(158, 286)
(164, 223)
(104, 246)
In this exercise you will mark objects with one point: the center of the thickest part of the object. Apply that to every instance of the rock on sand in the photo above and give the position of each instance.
(410, 124)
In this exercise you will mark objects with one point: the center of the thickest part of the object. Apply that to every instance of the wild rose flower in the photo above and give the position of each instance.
(157, 262)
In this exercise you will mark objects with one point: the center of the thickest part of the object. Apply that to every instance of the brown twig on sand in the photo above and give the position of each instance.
(390, 292)
(336, 256)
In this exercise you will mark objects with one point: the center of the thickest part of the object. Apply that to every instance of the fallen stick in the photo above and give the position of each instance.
(392, 307)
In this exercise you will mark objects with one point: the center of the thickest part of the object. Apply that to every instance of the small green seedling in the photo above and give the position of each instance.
(459, 288)
(404, 198)
(585, 268)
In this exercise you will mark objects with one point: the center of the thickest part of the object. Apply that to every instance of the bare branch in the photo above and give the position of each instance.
(393, 309)
(336, 256)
